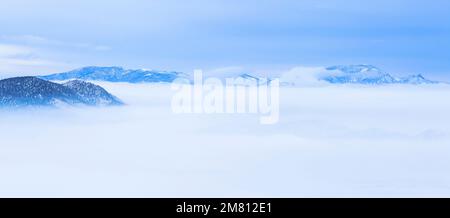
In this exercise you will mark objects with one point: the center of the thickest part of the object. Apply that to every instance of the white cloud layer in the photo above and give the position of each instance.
(303, 76)
(330, 142)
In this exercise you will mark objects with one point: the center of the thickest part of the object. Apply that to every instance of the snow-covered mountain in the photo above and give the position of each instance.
(416, 79)
(349, 74)
(341, 74)
(116, 74)
(92, 94)
(361, 74)
(32, 91)
(368, 74)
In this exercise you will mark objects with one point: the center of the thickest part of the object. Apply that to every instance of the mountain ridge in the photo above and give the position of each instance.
(116, 74)
(369, 74)
(32, 91)
(338, 74)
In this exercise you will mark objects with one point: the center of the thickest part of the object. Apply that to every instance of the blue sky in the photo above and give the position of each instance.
(399, 36)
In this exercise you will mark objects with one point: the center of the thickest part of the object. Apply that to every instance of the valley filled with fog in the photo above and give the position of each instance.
(330, 141)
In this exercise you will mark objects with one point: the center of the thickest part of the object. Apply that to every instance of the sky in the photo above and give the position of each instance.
(401, 37)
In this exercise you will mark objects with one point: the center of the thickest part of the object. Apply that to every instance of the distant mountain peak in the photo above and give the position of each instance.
(358, 68)
(417, 79)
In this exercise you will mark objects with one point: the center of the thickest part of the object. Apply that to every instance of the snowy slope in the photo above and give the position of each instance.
(27, 91)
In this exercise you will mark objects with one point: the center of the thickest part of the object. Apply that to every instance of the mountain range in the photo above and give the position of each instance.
(32, 91)
(117, 74)
(368, 74)
(341, 74)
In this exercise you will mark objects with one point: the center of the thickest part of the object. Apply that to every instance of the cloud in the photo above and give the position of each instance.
(102, 48)
(12, 51)
(24, 60)
(371, 142)
(303, 76)
(33, 54)
(42, 41)
(225, 72)
(297, 76)
(28, 39)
